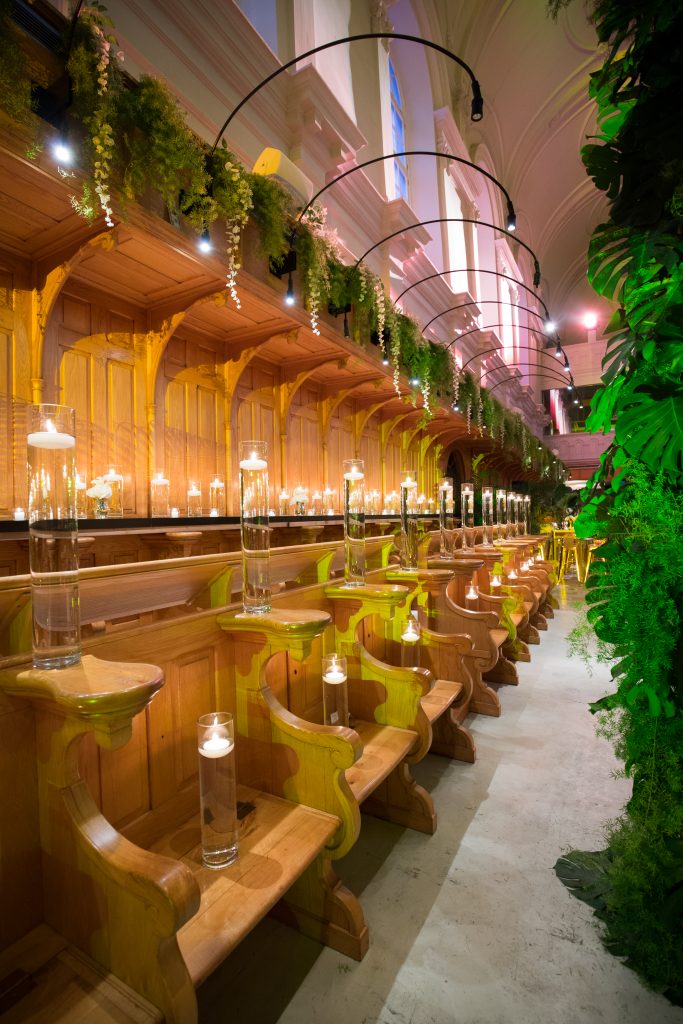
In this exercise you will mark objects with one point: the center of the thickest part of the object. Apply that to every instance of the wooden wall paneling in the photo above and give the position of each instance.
(121, 414)
(20, 857)
(9, 492)
(255, 419)
(124, 777)
(175, 431)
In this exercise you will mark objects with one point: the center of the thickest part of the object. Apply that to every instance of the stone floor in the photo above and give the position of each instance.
(470, 926)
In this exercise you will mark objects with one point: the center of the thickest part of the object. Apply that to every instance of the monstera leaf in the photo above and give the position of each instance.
(650, 428)
(586, 875)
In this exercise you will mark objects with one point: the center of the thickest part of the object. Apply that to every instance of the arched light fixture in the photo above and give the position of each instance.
(506, 380)
(490, 351)
(456, 220)
(497, 302)
(478, 270)
(511, 216)
(477, 108)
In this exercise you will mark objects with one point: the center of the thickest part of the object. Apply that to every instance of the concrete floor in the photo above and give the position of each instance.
(470, 926)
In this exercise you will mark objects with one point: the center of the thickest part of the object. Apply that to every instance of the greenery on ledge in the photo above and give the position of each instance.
(634, 502)
(133, 139)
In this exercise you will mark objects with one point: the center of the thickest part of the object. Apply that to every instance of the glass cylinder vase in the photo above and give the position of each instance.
(501, 512)
(466, 512)
(408, 513)
(159, 490)
(354, 522)
(216, 497)
(410, 643)
(487, 515)
(512, 514)
(445, 520)
(255, 531)
(115, 480)
(335, 690)
(53, 536)
(194, 500)
(526, 508)
(217, 789)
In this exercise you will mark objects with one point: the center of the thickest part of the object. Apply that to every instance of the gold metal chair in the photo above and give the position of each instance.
(568, 545)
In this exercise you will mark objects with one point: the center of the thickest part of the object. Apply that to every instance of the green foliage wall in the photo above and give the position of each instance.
(635, 590)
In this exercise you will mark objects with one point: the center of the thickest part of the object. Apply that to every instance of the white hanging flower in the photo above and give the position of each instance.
(99, 490)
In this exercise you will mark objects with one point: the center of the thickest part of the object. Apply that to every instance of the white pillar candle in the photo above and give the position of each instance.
(411, 632)
(354, 474)
(19, 513)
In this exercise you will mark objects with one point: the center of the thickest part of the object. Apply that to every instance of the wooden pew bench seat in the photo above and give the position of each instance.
(384, 748)
(278, 840)
(440, 697)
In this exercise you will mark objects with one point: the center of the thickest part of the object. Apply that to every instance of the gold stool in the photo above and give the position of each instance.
(568, 555)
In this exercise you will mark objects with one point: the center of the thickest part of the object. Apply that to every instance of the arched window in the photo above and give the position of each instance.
(398, 137)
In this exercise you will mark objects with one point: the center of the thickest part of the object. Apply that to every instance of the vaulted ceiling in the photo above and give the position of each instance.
(534, 75)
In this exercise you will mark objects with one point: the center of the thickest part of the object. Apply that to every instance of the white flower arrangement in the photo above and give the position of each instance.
(99, 490)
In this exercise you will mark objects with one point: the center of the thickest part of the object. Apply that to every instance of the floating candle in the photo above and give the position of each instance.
(354, 474)
(19, 513)
(253, 463)
(51, 438)
(216, 746)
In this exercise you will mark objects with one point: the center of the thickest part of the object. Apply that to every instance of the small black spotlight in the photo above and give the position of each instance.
(558, 349)
(477, 102)
(511, 217)
(289, 294)
(204, 244)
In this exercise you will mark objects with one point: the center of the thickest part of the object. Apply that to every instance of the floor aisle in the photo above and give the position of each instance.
(470, 926)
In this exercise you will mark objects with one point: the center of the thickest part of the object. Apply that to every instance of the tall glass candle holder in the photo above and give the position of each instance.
(526, 507)
(509, 526)
(316, 503)
(159, 491)
(53, 536)
(217, 789)
(487, 514)
(299, 500)
(354, 522)
(115, 481)
(335, 690)
(328, 501)
(501, 511)
(216, 497)
(194, 499)
(466, 512)
(514, 519)
(410, 643)
(408, 521)
(256, 594)
(283, 503)
(445, 527)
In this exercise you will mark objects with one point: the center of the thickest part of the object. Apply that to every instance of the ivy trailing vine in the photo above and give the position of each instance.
(633, 502)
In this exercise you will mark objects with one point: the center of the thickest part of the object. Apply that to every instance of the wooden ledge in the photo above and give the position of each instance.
(369, 593)
(279, 622)
(433, 573)
(92, 688)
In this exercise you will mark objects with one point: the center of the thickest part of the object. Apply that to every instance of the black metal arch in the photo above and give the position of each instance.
(457, 220)
(479, 270)
(416, 152)
(480, 330)
(482, 302)
(477, 110)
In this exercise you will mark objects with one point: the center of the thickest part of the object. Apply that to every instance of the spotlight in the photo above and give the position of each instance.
(62, 152)
(415, 382)
(204, 243)
(477, 102)
(537, 273)
(456, 407)
(289, 295)
(549, 326)
(589, 321)
(570, 386)
(558, 350)
(512, 218)
(567, 368)
(577, 402)
(385, 361)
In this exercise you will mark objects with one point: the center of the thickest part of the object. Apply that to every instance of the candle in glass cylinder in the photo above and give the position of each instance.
(335, 692)
(159, 495)
(445, 529)
(255, 529)
(472, 597)
(53, 536)
(19, 514)
(410, 639)
(466, 512)
(299, 497)
(115, 503)
(487, 515)
(408, 521)
(216, 497)
(283, 503)
(194, 500)
(354, 522)
(217, 789)
(328, 501)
